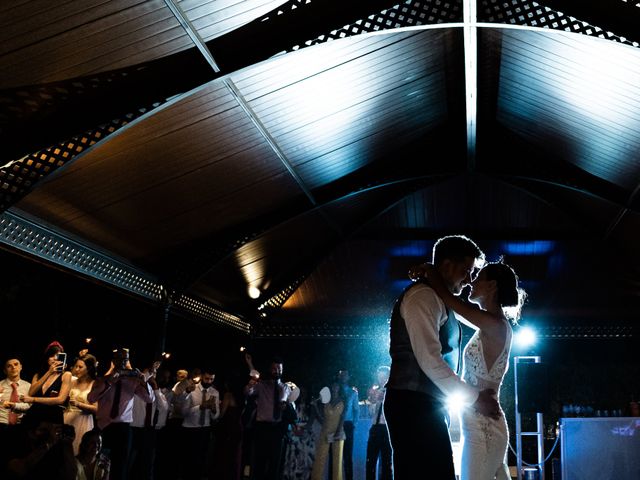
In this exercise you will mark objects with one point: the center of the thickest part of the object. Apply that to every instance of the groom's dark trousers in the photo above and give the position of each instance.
(419, 436)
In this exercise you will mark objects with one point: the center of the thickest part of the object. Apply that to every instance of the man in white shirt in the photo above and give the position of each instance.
(114, 393)
(167, 435)
(425, 351)
(11, 409)
(11, 388)
(143, 427)
(201, 408)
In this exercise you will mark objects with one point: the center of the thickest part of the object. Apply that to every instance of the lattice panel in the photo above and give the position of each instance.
(23, 235)
(22, 102)
(279, 299)
(407, 14)
(527, 13)
(201, 309)
(18, 176)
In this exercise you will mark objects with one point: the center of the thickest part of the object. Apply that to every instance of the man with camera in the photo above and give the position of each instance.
(114, 393)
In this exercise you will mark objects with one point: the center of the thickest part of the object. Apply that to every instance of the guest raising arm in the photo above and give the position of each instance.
(49, 389)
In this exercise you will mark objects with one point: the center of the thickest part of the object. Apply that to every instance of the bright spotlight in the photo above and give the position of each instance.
(455, 403)
(525, 337)
(254, 292)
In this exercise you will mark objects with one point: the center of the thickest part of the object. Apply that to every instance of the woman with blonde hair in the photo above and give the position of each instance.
(332, 436)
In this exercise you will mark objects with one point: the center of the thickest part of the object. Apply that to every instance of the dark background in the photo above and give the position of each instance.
(39, 304)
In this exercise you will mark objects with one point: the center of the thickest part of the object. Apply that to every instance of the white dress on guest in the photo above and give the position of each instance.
(485, 439)
(81, 420)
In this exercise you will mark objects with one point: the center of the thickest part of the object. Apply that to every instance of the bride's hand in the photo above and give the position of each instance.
(487, 405)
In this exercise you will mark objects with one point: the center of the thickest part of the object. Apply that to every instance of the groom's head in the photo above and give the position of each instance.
(455, 257)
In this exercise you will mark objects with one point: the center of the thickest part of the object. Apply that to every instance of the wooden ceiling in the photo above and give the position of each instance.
(214, 146)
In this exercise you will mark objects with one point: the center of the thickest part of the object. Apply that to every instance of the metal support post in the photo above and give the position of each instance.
(538, 433)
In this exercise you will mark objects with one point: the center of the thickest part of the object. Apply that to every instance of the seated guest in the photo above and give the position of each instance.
(44, 451)
(114, 393)
(91, 463)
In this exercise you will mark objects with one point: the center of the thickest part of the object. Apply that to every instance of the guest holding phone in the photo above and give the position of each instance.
(49, 389)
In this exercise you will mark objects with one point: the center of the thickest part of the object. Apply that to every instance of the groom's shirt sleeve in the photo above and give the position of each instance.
(424, 313)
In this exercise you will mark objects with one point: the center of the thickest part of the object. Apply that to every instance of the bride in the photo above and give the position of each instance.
(496, 299)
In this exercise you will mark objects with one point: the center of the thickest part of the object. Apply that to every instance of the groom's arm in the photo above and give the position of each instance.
(423, 311)
(464, 321)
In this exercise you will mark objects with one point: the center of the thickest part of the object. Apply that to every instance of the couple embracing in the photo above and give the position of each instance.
(426, 360)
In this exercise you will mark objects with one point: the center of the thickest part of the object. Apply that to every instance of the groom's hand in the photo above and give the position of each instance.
(487, 404)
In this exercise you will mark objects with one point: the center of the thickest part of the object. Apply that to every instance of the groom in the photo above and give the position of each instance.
(425, 353)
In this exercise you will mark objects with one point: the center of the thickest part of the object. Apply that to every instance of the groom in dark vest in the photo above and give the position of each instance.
(426, 361)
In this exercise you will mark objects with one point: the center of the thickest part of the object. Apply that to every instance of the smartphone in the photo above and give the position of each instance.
(61, 357)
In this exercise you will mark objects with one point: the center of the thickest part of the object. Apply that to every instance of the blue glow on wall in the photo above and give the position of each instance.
(535, 247)
(412, 250)
(398, 286)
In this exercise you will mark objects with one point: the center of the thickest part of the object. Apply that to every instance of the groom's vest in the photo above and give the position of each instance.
(406, 374)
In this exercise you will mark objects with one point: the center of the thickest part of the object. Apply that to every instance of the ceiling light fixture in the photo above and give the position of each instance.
(254, 292)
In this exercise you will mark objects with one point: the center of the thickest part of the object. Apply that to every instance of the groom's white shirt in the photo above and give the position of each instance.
(424, 313)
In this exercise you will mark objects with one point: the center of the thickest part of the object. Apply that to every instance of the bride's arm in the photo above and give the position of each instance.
(466, 322)
(470, 312)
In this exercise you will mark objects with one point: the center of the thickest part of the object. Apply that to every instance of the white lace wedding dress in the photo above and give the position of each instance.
(485, 439)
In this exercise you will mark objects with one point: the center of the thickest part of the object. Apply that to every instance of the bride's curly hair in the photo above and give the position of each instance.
(510, 296)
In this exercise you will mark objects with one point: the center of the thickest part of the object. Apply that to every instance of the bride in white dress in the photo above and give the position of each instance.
(496, 299)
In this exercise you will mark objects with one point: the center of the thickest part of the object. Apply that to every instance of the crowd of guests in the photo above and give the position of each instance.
(151, 423)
